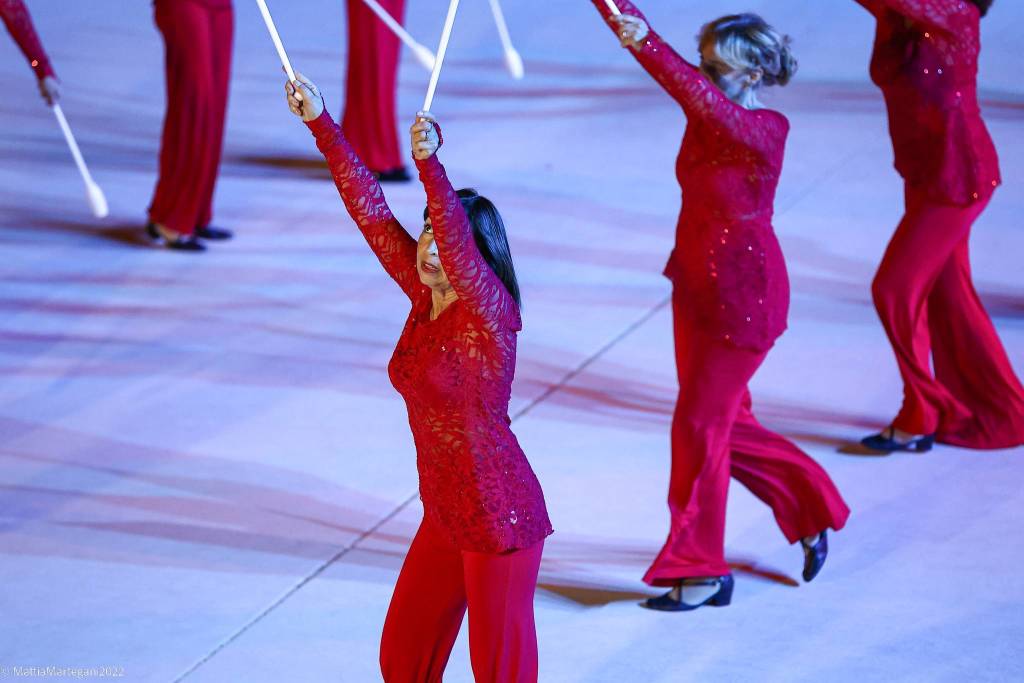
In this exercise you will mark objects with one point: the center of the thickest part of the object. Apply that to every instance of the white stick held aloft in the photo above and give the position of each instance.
(612, 8)
(269, 21)
(97, 201)
(423, 54)
(442, 48)
(513, 62)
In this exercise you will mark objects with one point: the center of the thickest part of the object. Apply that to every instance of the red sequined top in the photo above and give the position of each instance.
(19, 23)
(455, 372)
(926, 63)
(726, 260)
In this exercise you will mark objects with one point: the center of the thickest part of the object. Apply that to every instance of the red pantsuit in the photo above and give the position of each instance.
(369, 120)
(197, 37)
(485, 519)
(925, 61)
(714, 436)
(435, 586)
(927, 303)
(730, 304)
(18, 21)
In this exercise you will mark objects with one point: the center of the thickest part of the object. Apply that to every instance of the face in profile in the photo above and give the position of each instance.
(428, 264)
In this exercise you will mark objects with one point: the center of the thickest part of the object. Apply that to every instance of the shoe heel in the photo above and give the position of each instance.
(724, 595)
(925, 443)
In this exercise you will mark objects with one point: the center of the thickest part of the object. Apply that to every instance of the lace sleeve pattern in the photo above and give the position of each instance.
(364, 200)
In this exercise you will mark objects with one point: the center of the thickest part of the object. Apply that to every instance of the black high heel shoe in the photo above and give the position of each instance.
(885, 442)
(180, 243)
(814, 556)
(721, 598)
(208, 232)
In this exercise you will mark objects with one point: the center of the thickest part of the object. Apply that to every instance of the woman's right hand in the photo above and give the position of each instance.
(304, 98)
(631, 30)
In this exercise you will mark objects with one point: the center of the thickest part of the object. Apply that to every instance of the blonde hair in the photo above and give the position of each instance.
(746, 41)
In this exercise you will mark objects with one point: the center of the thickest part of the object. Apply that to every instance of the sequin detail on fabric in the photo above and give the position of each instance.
(925, 61)
(18, 21)
(726, 258)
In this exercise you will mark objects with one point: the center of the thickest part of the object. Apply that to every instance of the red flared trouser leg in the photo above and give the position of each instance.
(971, 363)
(436, 584)
(919, 250)
(800, 493)
(223, 30)
(369, 119)
(713, 379)
(193, 125)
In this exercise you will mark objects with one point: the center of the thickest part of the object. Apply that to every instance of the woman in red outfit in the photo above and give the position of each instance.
(370, 89)
(485, 521)
(926, 63)
(16, 17)
(197, 36)
(730, 301)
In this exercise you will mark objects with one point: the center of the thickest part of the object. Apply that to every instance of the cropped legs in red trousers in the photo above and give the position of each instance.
(198, 41)
(369, 120)
(435, 586)
(715, 436)
(930, 311)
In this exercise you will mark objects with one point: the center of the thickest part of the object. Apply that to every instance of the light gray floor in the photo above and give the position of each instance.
(206, 476)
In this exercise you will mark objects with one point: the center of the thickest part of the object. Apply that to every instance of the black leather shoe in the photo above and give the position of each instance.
(180, 243)
(666, 603)
(207, 232)
(885, 442)
(814, 556)
(393, 175)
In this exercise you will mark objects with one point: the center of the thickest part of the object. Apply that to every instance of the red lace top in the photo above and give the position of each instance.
(726, 257)
(19, 23)
(455, 373)
(926, 63)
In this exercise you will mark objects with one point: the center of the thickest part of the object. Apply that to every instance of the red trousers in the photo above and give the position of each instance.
(924, 296)
(435, 586)
(369, 119)
(714, 436)
(198, 40)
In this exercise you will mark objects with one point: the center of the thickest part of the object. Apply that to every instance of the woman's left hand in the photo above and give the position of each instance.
(49, 88)
(425, 139)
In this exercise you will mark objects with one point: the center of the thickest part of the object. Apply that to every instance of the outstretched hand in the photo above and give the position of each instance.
(425, 139)
(304, 99)
(49, 88)
(631, 30)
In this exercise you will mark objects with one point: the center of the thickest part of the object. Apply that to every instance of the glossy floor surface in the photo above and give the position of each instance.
(206, 476)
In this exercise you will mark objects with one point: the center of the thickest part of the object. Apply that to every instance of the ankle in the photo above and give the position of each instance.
(166, 233)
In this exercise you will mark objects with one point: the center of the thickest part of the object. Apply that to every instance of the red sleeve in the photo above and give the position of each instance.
(695, 93)
(944, 15)
(364, 200)
(19, 23)
(468, 272)
(874, 6)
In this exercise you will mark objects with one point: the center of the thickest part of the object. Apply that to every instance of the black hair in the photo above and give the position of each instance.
(982, 5)
(491, 240)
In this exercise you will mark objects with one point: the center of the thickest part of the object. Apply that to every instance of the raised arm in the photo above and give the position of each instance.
(19, 23)
(695, 93)
(943, 15)
(364, 200)
(468, 272)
